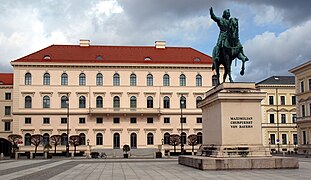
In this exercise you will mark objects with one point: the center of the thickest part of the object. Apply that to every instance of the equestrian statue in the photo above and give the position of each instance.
(228, 45)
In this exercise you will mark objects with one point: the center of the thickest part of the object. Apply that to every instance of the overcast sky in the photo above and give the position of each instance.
(276, 34)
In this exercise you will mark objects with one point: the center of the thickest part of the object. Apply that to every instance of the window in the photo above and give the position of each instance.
(99, 102)
(27, 120)
(284, 138)
(82, 139)
(302, 87)
(183, 120)
(149, 120)
(166, 102)
(182, 80)
(133, 102)
(28, 102)
(283, 118)
(198, 80)
(116, 79)
(167, 120)
(272, 139)
(199, 138)
(214, 80)
(183, 138)
(82, 120)
(27, 139)
(133, 120)
(64, 102)
(7, 110)
(7, 96)
(46, 79)
(166, 139)
(46, 120)
(27, 79)
(116, 102)
(64, 79)
(133, 140)
(309, 84)
(7, 126)
(46, 139)
(304, 137)
(271, 101)
(293, 100)
(272, 118)
(149, 102)
(116, 120)
(198, 99)
(64, 139)
(99, 120)
(116, 141)
(133, 80)
(99, 139)
(295, 139)
(294, 118)
(99, 79)
(149, 80)
(63, 120)
(282, 100)
(303, 111)
(82, 79)
(183, 102)
(166, 80)
(199, 120)
(82, 102)
(46, 102)
(149, 139)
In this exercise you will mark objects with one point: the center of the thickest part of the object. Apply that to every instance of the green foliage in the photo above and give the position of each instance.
(126, 148)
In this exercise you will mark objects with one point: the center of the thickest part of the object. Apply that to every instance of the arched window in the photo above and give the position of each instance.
(198, 80)
(82, 102)
(214, 80)
(64, 79)
(199, 138)
(149, 80)
(82, 139)
(99, 139)
(133, 80)
(149, 102)
(46, 139)
(182, 80)
(133, 141)
(149, 139)
(133, 102)
(99, 79)
(27, 139)
(183, 102)
(198, 99)
(116, 102)
(166, 80)
(166, 102)
(28, 102)
(82, 79)
(184, 138)
(166, 138)
(46, 79)
(99, 102)
(27, 79)
(46, 102)
(64, 102)
(63, 139)
(116, 79)
(116, 141)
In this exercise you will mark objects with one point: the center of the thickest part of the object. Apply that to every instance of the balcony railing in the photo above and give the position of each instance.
(280, 125)
(125, 111)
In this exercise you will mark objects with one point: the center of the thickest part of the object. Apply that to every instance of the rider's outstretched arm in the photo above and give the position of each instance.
(213, 16)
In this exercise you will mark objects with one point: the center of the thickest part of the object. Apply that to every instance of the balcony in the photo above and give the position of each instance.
(130, 111)
(280, 125)
(304, 119)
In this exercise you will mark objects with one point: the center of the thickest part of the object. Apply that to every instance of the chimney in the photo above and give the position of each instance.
(160, 44)
(84, 42)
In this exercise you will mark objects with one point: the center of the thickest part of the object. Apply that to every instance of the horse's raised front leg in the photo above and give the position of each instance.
(242, 57)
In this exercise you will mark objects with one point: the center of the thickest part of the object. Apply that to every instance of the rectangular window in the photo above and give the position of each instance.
(82, 120)
(7, 96)
(272, 118)
(272, 138)
(304, 137)
(27, 120)
(282, 100)
(199, 120)
(303, 111)
(284, 138)
(150, 120)
(283, 118)
(116, 120)
(133, 120)
(7, 126)
(294, 118)
(271, 101)
(309, 84)
(46, 120)
(183, 120)
(295, 139)
(167, 120)
(7, 110)
(302, 87)
(293, 100)
(99, 120)
(63, 120)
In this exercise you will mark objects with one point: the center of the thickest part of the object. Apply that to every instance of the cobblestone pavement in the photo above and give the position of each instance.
(134, 169)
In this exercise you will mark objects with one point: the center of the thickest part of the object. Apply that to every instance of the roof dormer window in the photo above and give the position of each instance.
(197, 59)
(99, 57)
(147, 58)
(1, 82)
(47, 57)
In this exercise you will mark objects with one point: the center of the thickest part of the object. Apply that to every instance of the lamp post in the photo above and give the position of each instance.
(277, 119)
(182, 102)
(67, 144)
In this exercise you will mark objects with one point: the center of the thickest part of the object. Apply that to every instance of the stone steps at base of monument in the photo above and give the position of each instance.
(139, 152)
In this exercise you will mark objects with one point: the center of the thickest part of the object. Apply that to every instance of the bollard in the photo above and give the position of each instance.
(16, 156)
(45, 155)
(31, 155)
(283, 153)
(72, 155)
(2, 156)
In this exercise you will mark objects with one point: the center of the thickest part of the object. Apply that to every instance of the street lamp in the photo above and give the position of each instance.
(277, 119)
(67, 144)
(182, 102)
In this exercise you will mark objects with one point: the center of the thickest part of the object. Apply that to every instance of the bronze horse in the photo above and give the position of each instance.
(231, 50)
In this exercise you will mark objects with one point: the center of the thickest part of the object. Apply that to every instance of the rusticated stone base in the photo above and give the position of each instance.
(210, 163)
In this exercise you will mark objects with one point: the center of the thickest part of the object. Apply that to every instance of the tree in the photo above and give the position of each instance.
(55, 141)
(192, 140)
(14, 139)
(174, 141)
(36, 140)
(75, 141)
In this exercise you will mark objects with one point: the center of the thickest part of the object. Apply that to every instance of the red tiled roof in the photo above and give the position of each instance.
(6, 78)
(117, 54)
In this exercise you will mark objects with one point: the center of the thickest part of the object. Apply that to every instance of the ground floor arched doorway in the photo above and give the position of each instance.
(5, 147)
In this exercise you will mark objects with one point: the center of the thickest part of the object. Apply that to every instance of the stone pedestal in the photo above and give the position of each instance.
(232, 131)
